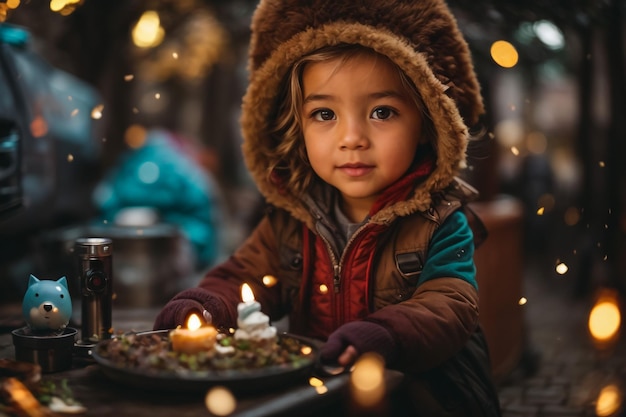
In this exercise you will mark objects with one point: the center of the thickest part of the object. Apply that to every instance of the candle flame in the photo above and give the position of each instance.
(193, 322)
(246, 293)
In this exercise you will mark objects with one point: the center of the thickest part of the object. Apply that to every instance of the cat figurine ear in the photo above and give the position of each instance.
(47, 305)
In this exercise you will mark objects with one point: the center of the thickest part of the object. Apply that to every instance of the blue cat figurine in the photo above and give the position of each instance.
(47, 305)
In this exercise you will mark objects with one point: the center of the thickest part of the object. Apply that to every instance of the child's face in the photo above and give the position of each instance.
(361, 128)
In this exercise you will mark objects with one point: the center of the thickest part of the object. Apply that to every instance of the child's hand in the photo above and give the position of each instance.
(349, 341)
(348, 357)
(176, 313)
(208, 317)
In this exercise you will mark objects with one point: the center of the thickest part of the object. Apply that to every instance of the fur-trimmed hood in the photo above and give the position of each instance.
(420, 36)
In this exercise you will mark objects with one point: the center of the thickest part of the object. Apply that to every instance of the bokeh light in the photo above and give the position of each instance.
(605, 317)
(367, 381)
(504, 54)
(269, 281)
(549, 34)
(38, 127)
(65, 7)
(547, 201)
(147, 32)
(571, 216)
(220, 401)
(536, 143)
(96, 112)
(609, 401)
(510, 133)
(318, 384)
(561, 268)
(135, 136)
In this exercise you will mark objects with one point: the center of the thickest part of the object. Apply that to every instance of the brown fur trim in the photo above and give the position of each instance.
(420, 36)
(427, 25)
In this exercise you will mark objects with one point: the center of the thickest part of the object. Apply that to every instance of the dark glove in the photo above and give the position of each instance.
(176, 313)
(365, 336)
(193, 300)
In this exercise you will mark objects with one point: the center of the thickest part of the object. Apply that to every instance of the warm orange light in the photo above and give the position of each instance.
(269, 281)
(96, 112)
(504, 54)
(609, 401)
(135, 136)
(148, 32)
(220, 401)
(319, 386)
(38, 127)
(367, 381)
(246, 294)
(605, 317)
(64, 7)
(315, 382)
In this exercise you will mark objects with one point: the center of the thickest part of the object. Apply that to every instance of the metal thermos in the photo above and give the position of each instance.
(96, 286)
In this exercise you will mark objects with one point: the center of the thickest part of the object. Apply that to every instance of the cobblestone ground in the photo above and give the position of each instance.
(570, 373)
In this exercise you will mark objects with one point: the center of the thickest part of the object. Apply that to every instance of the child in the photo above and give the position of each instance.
(355, 124)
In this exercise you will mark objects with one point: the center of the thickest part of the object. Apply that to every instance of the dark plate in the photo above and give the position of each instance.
(237, 380)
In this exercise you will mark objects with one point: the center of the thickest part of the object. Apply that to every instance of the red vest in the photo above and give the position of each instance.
(337, 297)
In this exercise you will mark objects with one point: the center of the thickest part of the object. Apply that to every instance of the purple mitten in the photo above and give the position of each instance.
(365, 336)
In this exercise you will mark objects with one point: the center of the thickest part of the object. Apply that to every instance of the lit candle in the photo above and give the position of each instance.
(252, 324)
(195, 338)
(249, 305)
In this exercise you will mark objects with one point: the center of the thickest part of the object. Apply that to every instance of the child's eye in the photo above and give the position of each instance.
(382, 113)
(323, 114)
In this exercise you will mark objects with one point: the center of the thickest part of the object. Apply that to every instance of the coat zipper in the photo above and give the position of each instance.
(337, 264)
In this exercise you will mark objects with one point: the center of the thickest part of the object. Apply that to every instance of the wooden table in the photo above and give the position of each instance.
(105, 397)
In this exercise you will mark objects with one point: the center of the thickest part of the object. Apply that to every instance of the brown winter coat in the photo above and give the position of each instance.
(430, 322)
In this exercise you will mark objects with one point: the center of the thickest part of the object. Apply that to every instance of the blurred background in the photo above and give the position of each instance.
(121, 118)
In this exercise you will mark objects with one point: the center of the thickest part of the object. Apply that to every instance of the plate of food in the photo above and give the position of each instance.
(147, 360)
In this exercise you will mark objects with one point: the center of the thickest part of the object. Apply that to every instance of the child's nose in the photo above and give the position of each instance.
(354, 135)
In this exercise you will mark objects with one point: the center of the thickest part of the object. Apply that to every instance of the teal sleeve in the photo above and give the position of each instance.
(451, 251)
